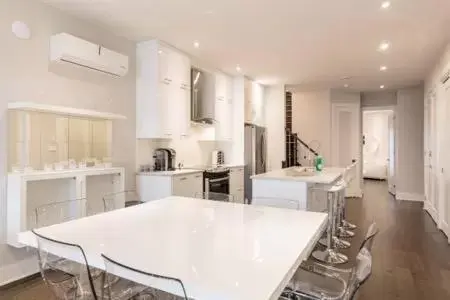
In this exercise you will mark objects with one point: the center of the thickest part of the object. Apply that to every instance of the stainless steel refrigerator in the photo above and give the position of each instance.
(255, 152)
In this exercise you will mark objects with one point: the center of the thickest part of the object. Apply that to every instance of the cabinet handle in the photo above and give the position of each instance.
(198, 176)
(183, 178)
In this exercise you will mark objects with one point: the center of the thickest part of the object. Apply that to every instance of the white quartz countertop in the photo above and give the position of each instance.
(220, 251)
(170, 173)
(326, 176)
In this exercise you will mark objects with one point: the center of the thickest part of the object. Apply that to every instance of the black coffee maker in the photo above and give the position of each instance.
(164, 159)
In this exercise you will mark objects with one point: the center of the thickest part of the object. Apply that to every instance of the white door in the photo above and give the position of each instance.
(439, 144)
(391, 159)
(446, 164)
(346, 137)
(430, 176)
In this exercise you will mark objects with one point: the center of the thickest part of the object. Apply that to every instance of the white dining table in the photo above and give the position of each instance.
(219, 250)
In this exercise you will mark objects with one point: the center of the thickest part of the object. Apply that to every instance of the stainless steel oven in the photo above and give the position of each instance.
(216, 181)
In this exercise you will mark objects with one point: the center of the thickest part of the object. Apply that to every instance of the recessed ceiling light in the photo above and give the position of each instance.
(383, 68)
(384, 46)
(196, 44)
(238, 68)
(385, 4)
(382, 86)
(346, 85)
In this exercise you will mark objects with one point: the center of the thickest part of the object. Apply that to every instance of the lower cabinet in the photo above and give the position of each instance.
(154, 187)
(237, 184)
(187, 185)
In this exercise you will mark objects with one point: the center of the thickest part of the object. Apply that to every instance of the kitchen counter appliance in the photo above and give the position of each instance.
(164, 159)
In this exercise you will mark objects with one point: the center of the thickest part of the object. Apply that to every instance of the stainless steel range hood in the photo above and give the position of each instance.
(203, 97)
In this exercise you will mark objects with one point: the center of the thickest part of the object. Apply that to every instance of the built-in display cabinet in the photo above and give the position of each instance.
(57, 154)
(51, 141)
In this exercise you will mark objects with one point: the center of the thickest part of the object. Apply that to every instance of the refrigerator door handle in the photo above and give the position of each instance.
(263, 152)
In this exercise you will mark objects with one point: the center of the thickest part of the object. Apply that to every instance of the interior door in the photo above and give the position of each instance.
(446, 168)
(346, 141)
(391, 159)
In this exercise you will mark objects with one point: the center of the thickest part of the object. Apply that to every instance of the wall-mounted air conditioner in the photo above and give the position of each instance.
(446, 75)
(68, 49)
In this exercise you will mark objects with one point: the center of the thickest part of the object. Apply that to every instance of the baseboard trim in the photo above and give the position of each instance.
(445, 229)
(410, 197)
(432, 212)
(9, 274)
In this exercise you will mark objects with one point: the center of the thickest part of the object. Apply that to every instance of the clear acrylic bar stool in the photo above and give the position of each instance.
(331, 255)
(338, 242)
(316, 281)
(349, 176)
(143, 289)
(66, 280)
(121, 199)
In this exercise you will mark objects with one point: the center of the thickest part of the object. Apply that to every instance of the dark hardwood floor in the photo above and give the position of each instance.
(411, 257)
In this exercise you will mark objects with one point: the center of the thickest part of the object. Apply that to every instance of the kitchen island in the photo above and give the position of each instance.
(294, 188)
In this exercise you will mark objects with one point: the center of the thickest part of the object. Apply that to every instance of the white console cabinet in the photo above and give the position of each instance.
(27, 191)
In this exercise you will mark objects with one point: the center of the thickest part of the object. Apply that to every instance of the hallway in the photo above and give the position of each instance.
(411, 257)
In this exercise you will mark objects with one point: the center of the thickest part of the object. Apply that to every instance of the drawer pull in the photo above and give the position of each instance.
(183, 178)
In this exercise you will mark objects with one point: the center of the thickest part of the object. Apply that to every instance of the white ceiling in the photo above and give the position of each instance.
(307, 43)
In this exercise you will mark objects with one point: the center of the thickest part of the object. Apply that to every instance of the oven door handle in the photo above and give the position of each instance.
(219, 179)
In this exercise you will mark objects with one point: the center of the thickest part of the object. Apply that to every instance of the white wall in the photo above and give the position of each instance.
(311, 119)
(25, 76)
(410, 126)
(379, 99)
(275, 122)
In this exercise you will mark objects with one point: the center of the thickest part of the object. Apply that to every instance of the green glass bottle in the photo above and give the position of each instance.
(318, 163)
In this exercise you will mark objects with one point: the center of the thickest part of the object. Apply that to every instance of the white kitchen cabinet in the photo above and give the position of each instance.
(254, 103)
(237, 184)
(162, 92)
(223, 109)
(152, 186)
(187, 185)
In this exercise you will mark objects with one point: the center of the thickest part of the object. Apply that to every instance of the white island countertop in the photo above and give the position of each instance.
(221, 251)
(326, 176)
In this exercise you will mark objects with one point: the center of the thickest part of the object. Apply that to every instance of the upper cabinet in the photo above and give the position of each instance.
(162, 92)
(223, 107)
(254, 103)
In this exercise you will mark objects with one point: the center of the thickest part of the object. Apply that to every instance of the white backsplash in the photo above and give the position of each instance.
(193, 150)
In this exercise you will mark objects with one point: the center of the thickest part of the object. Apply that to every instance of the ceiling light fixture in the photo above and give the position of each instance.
(238, 68)
(381, 86)
(385, 4)
(383, 68)
(384, 46)
(196, 44)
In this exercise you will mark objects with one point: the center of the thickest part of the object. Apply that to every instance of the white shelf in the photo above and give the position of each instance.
(62, 110)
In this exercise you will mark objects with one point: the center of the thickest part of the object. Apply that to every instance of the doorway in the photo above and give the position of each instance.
(379, 145)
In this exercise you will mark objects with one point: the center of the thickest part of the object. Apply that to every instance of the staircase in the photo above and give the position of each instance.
(295, 148)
